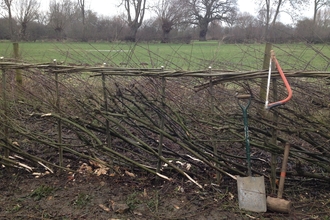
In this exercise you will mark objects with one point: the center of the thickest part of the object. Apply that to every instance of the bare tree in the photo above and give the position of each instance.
(81, 5)
(304, 30)
(60, 14)
(170, 12)
(26, 11)
(135, 10)
(42, 17)
(117, 26)
(245, 29)
(318, 4)
(270, 10)
(7, 6)
(321, 26)
(205, 11)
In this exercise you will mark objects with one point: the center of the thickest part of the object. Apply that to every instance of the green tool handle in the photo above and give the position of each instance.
(247, 140)
(246, 127)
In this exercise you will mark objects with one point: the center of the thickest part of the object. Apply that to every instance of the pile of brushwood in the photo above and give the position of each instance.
(167, 126)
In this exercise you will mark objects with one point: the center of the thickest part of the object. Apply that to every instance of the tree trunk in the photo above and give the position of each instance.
(84, 38)
(23, 30)
(58, 32)
(132, 34)
(202, 35)
(166, 28)
(276, 12)
(203, 30)
(166, 37)
(10, 24)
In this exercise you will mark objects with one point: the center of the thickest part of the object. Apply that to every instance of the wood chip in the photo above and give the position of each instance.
(104, 208)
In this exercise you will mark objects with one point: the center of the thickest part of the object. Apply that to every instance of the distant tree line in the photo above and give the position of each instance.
(173, 21)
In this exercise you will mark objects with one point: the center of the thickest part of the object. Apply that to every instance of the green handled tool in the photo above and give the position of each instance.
(251, 190)
(244, 108)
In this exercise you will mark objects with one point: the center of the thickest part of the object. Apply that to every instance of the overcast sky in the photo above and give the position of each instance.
(110, 8)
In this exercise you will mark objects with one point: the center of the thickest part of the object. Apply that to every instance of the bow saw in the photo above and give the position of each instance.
(286, 83)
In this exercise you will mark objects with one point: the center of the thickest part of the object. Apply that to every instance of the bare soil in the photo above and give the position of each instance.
(84, 195)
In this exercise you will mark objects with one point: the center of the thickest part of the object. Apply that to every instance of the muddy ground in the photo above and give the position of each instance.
(84, 195)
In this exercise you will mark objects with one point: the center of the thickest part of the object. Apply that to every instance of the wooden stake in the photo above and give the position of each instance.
(5, 108)
(162, 121)
(263, 84)
(273, 164)
(214, 145)
(59, 121)
(19, 78)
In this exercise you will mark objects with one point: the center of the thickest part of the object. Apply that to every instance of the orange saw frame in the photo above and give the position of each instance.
(286, 83)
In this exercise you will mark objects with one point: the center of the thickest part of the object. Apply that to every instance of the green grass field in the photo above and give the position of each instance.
(197, 55)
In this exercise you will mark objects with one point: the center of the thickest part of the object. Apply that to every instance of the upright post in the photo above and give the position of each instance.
(274, 136)
(107, 124)
(5, 109)
(162, 122)
(59, 121)
(213, 142)
(18, 77)
(263, 85)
